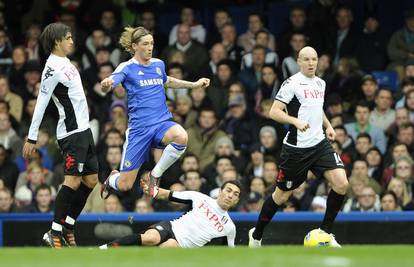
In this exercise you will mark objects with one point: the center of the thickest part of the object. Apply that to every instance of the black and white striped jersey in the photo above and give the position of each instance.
(61, 82)
(304, 98)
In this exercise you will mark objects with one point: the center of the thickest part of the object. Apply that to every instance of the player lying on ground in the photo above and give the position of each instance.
(207, 219)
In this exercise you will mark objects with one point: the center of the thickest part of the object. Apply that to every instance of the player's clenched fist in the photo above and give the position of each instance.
(203, 83)
(106, 84)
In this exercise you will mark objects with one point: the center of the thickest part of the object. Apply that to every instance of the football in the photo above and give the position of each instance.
(317, 238)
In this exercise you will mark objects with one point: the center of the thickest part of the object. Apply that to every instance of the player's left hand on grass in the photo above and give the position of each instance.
(330, 134)
(203, 83)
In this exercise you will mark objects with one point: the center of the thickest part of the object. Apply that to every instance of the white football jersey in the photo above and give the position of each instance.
(304, 99)
(61, 82)
(205, 221)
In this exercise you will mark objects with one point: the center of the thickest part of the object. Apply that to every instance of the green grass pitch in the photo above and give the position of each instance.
(284, 256)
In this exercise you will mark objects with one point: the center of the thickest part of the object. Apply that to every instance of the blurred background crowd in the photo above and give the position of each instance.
(247, 49)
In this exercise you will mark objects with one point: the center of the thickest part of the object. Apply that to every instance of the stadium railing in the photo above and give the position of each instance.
(24, 229)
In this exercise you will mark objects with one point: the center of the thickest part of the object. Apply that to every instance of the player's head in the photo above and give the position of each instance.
(229, 194)
(138, 42)
(57, 37)
(308, 61)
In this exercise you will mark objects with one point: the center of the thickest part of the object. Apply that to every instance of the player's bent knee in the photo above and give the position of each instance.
(151, 238)
(181, 138)
(341, 186)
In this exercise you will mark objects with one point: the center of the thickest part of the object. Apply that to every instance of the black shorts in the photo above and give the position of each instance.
(296, 162)
(165, 230)
(79, 154)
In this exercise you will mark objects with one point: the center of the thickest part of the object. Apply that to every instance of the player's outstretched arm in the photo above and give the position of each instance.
(178, 84)
(162, 193)
(278, 114)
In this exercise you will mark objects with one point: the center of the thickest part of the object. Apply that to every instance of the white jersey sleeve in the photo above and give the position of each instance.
(286, 92)
(231, 236)
(50, 78)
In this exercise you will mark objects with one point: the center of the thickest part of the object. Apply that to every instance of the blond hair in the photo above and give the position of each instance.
(406, 195)
(131, 36)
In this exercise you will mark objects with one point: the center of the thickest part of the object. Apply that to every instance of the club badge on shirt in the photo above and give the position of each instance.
(158, 70)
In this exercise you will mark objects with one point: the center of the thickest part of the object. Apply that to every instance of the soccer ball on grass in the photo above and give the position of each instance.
(317, 238)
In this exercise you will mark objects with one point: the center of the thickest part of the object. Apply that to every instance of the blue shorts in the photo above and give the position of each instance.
(139, 142)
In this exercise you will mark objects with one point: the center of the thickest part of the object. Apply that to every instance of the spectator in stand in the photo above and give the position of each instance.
(371, 50)
(48, 122)
(268, 87)
(8, 137)
(149, 22)
(347, 143)
(375, 162)
(184, 111)
(318, 204)
(289, 65)
(262, 38)
(254, 203)
(32, 75)
(229, 40)
(368, 200)
(196, 57)
(43, 202)
(143, 206)
(343, 38)
(194, 182)
(258, 185)
(202, 138)
(324, 68)
(406, 85)
(409, 103)
(8, 170)
(32, 42)
(362, 125)
(404, 172)
(334, 107)
(218, 91)
(221, 17)
(400, 47)
(110, 24)
(383, 114)
(346, 159)
(255, 24)
(405, 135)
(217, 53)
(16, 70)
(6, 201)
(14, 101)
(255, 164)
(360, 171)
(362, 145)
(5, 51)
(399, 187)
(389, 202)
(176, 70)
(270, 171)
(402, 116)
(198, 32)
(251, 77)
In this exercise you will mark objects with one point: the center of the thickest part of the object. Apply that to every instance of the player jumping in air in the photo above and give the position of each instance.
(150, 123)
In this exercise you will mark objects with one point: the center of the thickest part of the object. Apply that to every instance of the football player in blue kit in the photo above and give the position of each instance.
(150, 123)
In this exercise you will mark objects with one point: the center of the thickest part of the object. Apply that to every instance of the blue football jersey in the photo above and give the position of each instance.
(144, 85)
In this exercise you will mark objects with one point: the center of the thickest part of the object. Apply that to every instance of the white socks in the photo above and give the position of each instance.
(171, 153)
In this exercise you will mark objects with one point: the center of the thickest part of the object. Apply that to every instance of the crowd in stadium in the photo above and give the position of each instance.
(231, 136)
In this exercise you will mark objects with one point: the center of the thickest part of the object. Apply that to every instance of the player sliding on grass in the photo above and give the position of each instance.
(305, 146)
(150, 123)
(207, 219)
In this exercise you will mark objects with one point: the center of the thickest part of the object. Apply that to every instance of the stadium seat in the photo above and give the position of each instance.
(387, 79)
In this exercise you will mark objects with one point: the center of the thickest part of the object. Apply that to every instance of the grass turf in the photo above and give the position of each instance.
(286, 256)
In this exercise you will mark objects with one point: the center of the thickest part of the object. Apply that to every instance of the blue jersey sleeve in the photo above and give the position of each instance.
(119, 75)
(164, 75)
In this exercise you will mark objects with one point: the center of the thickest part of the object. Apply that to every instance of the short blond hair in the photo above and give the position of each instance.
(131, 36)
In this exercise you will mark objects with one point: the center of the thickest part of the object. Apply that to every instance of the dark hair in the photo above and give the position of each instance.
(341, 127)
(364, 135)
(175, 65)
(217, 158)
(53, 33)
(262, 31)
(235, 182)
(187, 172)
(41, 187)
(389, 192)
(190, 155)
(362, 103)
(106, 64)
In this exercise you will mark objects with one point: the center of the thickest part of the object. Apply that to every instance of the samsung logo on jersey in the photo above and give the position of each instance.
(150, 82)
